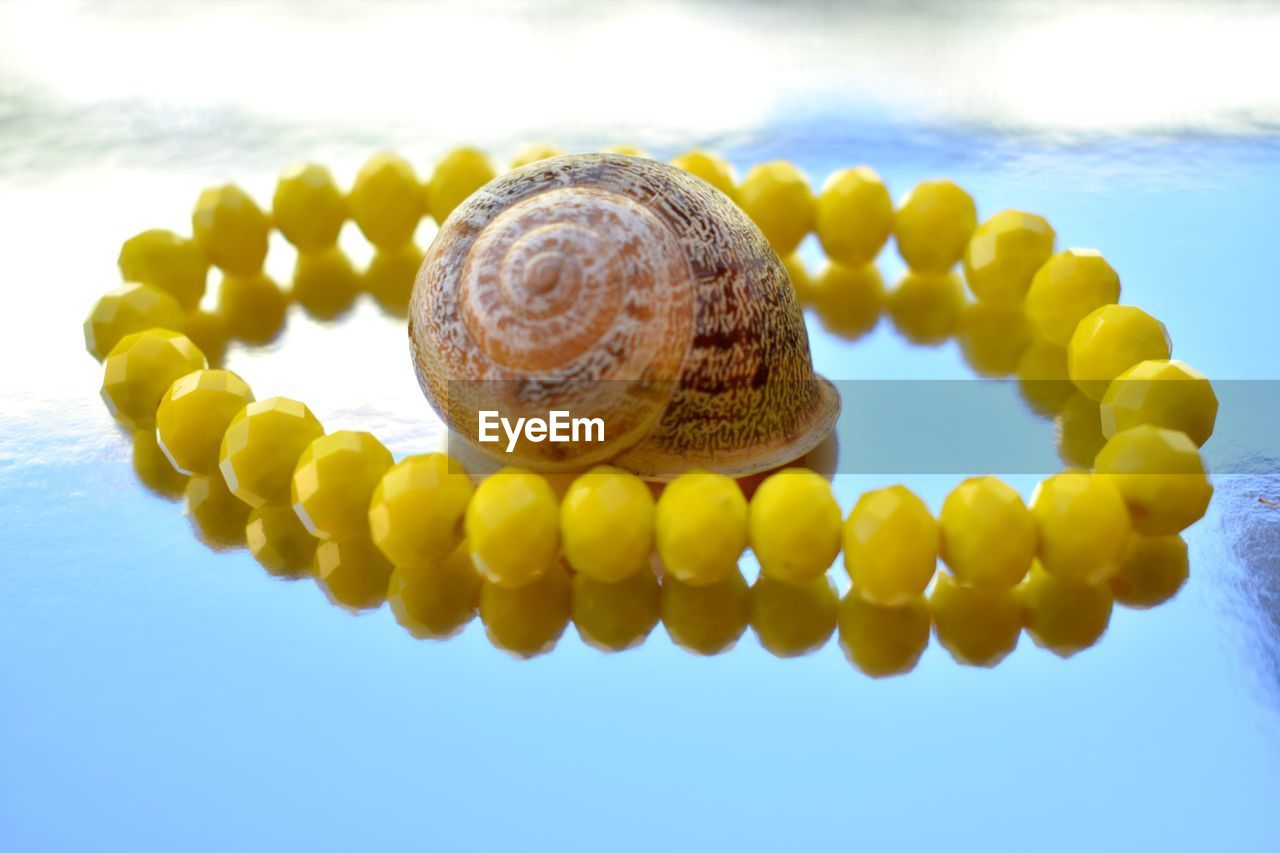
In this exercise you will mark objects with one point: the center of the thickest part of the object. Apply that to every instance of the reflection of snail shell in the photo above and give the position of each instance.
(625, 289)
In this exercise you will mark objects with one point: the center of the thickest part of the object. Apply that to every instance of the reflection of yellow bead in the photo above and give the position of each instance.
(1163, 393)
(1042, 378)
(253, 307)
(308, 207)
(706, 619)
(777, 196)
(208, 330)
(993, 338)
(167, 262)
(194, 413)
(853, 216)
(933, 225)
(1004, 254)
(1082, 523)
(279, 542)
(334, 482)
(616, 616)
(217, 516)
(1078, 431)
(801, 279)
(1109, 341)
(701, 526)
(386, 201)
(848, 300)
(606, 524)
(1068, 287)
(794, 525)
(926, 308)
(527, 620)
(417, 511)
(127, 309)
(434, 600)
(1152, 570)
(324, 282)
(1063, 615)
(457, 176)
(390, 276)
(793, 619)
(627, 150)
(153, 468)
(512, 523)
(711, 168)
(987, 535)
(1160, 476)
(140, 368)
(890, 546)
(535, 151)
(231, 229)
(979, 627)
(352, 573)
(261, 446)
(883, 641)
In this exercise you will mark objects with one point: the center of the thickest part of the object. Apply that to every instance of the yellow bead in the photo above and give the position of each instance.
(1109, 341)
(209, 331)
(390, 276)
(1042, 378)
(1082, 524)
(217, 517)
(849, 300)
(794, 524)
(231, 229)
(606, 524)
(261, 446)
(711, 168)
(435, 600)
(1070, 286)
(1064, 615)
(535, 151)
(1152, 570)
(386, 201)
(1160, 475)
(127, 309)
(527, 620)
(140, 368)
(334, 482)
(1004, 254)
(701, 526)
(153, 468)
(986, 534)
(793, 619)
(1162, 393)
(890, 546)
(801, 279)
(324, 282)
(1078, 431)
(279, 542)
(613, 617)
(308, 207)
(626, 150)
(777, 197)
(512, 523)
(253, 307)
(352, 573)
(979, 627)
(457, 176)
(882, 641)
(167, 262)
(193, 415)
(418, 509)
(993, 338)
(706, 619)
(933, 225)
(926, 307)
(853, 216)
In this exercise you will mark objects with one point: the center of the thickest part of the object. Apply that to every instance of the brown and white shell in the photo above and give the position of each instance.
(626, 289)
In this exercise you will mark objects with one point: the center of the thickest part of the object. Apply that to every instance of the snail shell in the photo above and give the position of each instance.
(626, 289)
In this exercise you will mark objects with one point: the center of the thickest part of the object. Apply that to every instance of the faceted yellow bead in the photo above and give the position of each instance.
(993, 338)
(140, 368)
(627, 150)
(613, 617)
(419, 508)
(793, 619)
(390, 276)
(324, 282)
(777, 197)
(435, 600)
(535, 151)
(882, 641)
(527, 620)
(513, 525)
(253, 307)
(457, 176)
(933, 225)
(127, 309)
(217, 517)
(1042, 378)
(193, 415)
(1070, 286)
(1004, 254)
(334, 482)
(1162, 393)
(261, 446)
(386, 201)
(153, 468)
(987, 535)
(701, 526)
(706, 619)
(1082, 524)
(849, 300)
(1109, 341)
(794, 523)
(1064, 615)
(890, 546)
(801, 279)
(167, 262)
(606, 524)
(1160, 476)
(279, 542)
(1152, 570)
(308, 207)
(231, 229)
(853, 216)
(1078, 431)
(209, 331)
(979, 627)
(711, 168)
(926, 307)
(352, 573)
